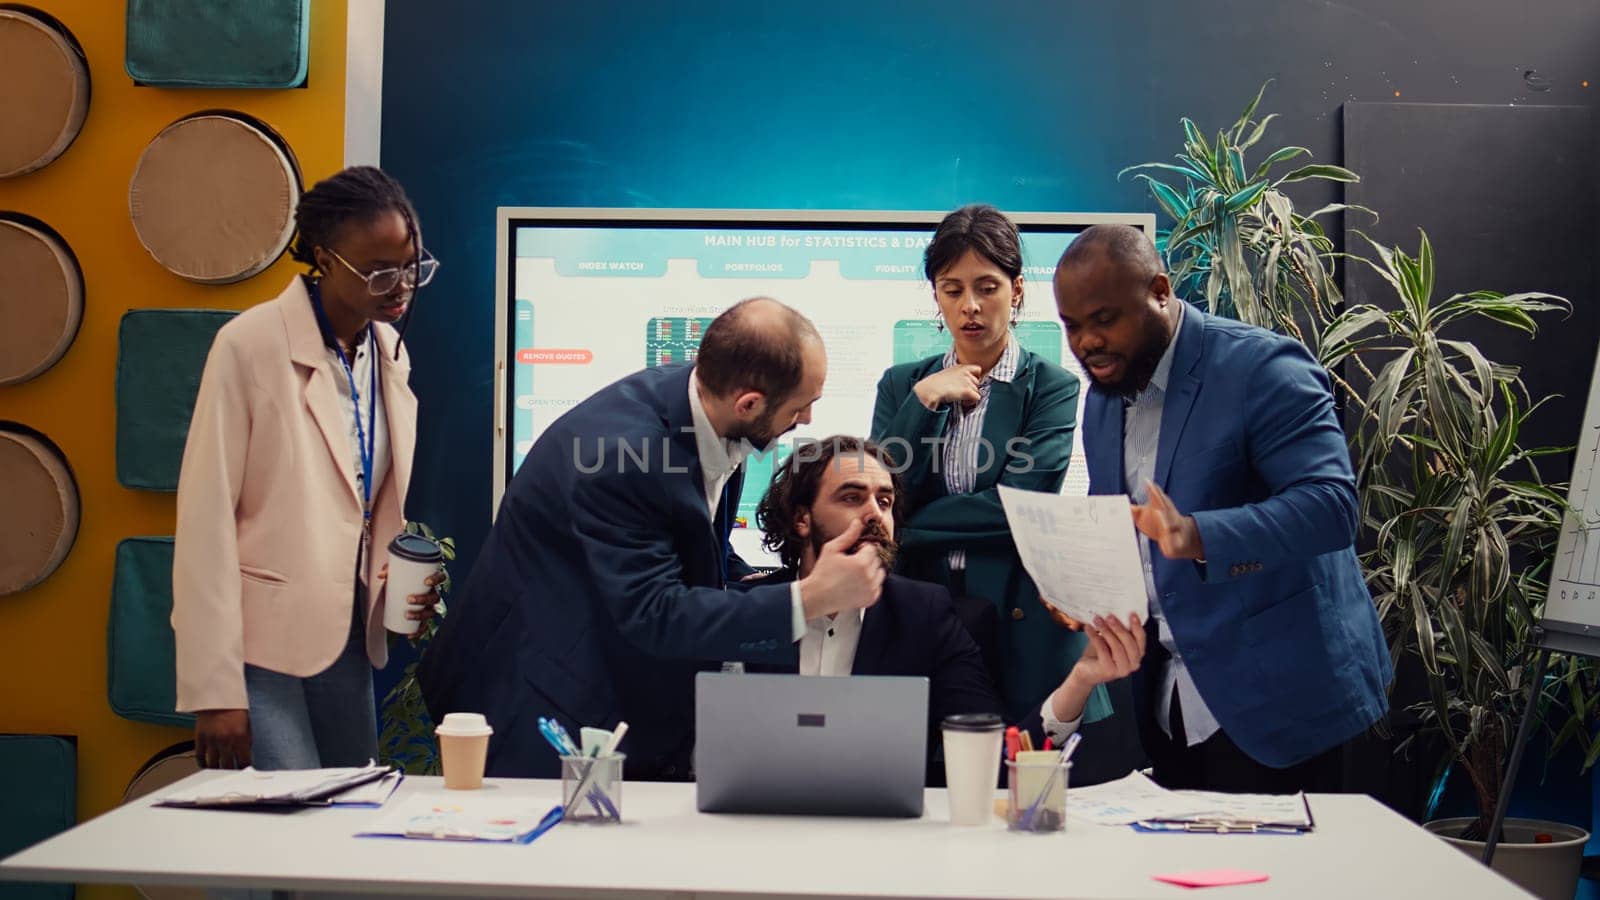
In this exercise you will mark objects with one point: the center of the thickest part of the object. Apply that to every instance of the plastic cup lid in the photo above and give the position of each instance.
(464, 725)
(973, 722)
(416, 548)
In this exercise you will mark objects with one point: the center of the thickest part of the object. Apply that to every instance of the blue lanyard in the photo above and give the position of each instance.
(366, 443)
(366, 437)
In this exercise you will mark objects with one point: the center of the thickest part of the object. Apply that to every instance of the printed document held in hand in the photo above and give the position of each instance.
(1082, 552)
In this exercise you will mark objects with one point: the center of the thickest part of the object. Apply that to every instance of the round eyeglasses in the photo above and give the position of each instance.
(384, 281)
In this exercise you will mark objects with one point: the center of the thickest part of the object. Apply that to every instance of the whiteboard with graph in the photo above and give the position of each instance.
(1572, 610)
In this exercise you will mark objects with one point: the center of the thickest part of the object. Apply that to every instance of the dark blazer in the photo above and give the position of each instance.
(600, 591)
(1277, 627)
(913, 631)
(1029, 425)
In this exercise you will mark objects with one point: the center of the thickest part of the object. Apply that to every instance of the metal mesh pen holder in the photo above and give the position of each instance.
(591, 788)
(1036, 795)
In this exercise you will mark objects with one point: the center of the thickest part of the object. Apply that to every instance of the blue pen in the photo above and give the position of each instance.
(557, 737)
(549, 736)
(565, 738)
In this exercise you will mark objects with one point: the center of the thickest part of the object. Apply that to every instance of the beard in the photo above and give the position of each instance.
(760, 434)
(1136, 373)
(881, 541)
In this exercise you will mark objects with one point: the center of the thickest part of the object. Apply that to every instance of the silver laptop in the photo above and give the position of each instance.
(789, 744)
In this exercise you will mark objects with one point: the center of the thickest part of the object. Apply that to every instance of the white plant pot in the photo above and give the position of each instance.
(1548, 871)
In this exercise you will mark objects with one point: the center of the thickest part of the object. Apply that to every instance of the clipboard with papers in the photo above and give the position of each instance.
(251, 789)
(1238, 814)
(1137, 801)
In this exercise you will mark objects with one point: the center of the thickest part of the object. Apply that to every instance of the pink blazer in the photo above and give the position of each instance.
(269, 510)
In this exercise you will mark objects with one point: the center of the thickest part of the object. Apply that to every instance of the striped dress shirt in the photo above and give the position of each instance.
(965, 455)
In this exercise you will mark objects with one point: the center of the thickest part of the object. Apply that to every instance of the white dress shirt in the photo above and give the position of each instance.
(1141, 435)
(361, 371)
(719, 459)
(1054, 727)
(828, 648)
(829, 645)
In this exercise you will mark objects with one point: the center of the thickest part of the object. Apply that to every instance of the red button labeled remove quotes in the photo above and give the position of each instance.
(539, 356)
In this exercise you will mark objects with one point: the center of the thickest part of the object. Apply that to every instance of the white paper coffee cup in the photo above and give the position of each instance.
(463, 749)
(412, 558)
(971, 765)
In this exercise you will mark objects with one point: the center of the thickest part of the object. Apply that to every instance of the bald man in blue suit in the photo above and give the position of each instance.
(1264, 653)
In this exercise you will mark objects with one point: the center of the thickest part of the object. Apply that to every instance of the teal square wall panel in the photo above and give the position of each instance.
(160, 356)
(141, 672)
(218, 43)
(39, 779)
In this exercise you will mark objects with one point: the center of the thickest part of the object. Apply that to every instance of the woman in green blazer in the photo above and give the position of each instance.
(960, 423)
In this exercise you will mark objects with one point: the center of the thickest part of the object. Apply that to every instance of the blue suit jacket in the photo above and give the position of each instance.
(1277, 627)
(600, 591)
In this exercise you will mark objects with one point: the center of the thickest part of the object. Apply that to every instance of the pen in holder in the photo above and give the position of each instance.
(591, 787)
(1036, 795)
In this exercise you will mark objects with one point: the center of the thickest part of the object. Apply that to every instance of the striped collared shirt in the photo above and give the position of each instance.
(965, 454)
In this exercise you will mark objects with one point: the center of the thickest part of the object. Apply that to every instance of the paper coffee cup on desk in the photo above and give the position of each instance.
(971, 765)
(463, 749)
(412, 558)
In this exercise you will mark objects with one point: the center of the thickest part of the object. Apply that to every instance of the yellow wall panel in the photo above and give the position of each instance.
(53, 637)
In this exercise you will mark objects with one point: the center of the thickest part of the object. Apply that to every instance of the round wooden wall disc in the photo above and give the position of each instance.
(41, 516)
(165, 769)
(41, 300)
(44, 91)
(213, 198)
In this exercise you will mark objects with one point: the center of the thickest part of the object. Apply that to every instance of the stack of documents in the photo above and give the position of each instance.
(1082, 552)
(368, 785)
(1138, 801)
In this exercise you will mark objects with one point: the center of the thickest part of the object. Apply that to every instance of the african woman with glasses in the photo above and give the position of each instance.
(293, 483)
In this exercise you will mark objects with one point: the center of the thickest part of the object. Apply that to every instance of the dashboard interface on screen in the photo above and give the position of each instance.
(587, 298)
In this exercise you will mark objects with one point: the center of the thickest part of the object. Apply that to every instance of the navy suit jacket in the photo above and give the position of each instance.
(600, 591)
(1277, 627)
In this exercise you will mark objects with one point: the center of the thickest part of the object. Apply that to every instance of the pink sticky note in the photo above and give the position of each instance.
(1213, 878)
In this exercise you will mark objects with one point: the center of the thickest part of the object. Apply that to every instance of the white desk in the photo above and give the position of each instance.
(1360, 850)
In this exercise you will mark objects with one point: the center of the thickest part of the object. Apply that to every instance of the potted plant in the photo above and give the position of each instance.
(1460, 527)
(1237, 246)
(407, 739)
(1465, 531)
